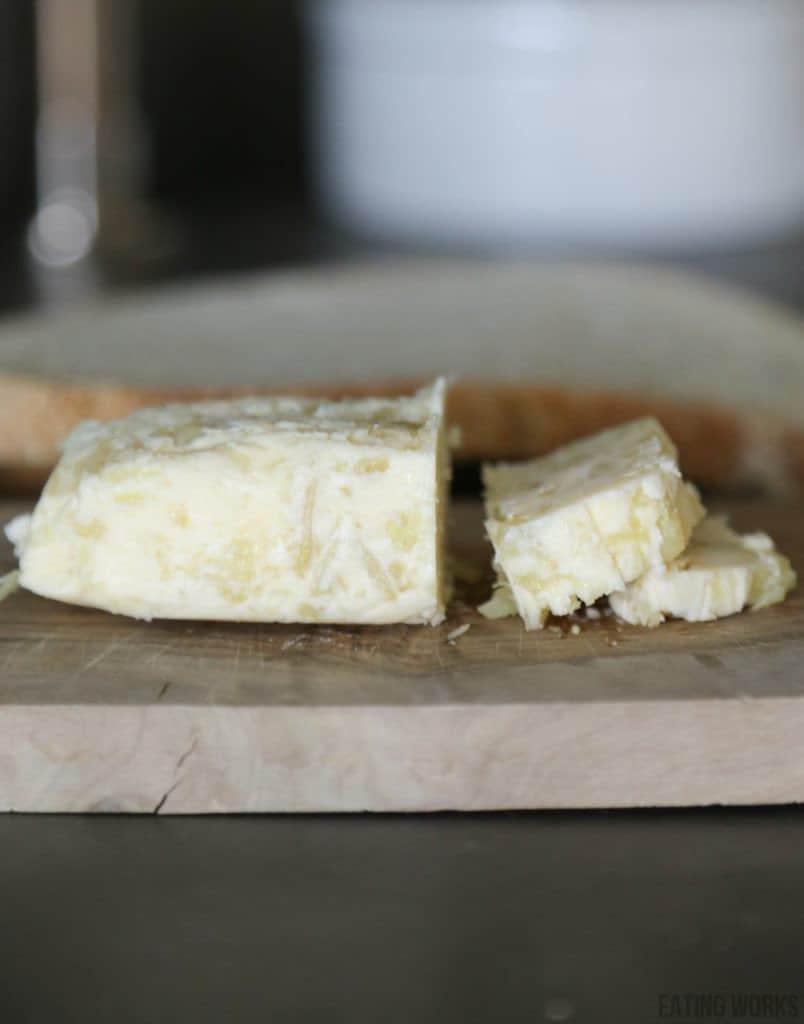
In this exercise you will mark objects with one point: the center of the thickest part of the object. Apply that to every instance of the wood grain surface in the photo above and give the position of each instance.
(103, 713)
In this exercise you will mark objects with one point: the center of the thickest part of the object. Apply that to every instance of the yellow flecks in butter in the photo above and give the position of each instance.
(241, 459)
(231, 594)
(136, 476)
(129, 497)
(305, 552)
(405, 529)
(239, 560)
(308, 612)
(119, 474)
(377, 574)
(178, 515)
(162, 561)
(375, 465)
(94, 528)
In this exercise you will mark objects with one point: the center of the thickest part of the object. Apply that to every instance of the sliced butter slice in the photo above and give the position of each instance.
(720, 573)
(586, 520)
(268, 510)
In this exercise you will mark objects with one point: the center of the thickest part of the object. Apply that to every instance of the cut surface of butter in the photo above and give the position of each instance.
(585, 520)
(720, 573)
(268, 510)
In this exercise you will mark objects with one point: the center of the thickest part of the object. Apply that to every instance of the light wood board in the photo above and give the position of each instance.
(103, 713)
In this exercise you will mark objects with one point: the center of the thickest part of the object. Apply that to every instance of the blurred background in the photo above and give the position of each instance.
(150, 140)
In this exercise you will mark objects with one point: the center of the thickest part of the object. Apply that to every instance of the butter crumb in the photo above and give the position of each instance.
(575, 629)
(9, 583)
(455, 634)
(500, 605)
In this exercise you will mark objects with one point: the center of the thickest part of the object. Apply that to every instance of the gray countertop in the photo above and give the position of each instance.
(569, 916)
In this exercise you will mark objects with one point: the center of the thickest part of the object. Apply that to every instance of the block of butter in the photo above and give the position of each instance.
(585, 520)
(720, 573)
(264, 510)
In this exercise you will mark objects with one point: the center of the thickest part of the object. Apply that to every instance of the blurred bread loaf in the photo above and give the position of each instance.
(719, 447)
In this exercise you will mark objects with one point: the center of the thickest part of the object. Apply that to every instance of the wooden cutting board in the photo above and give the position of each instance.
(102, 713)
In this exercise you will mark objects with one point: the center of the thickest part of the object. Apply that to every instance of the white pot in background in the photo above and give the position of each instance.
(509, 122)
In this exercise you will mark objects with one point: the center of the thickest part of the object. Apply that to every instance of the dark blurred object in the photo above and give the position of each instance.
(221, 91)
(63, 231)
(202, 165)
(17, 112)
(160, 125)
(17, 120)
